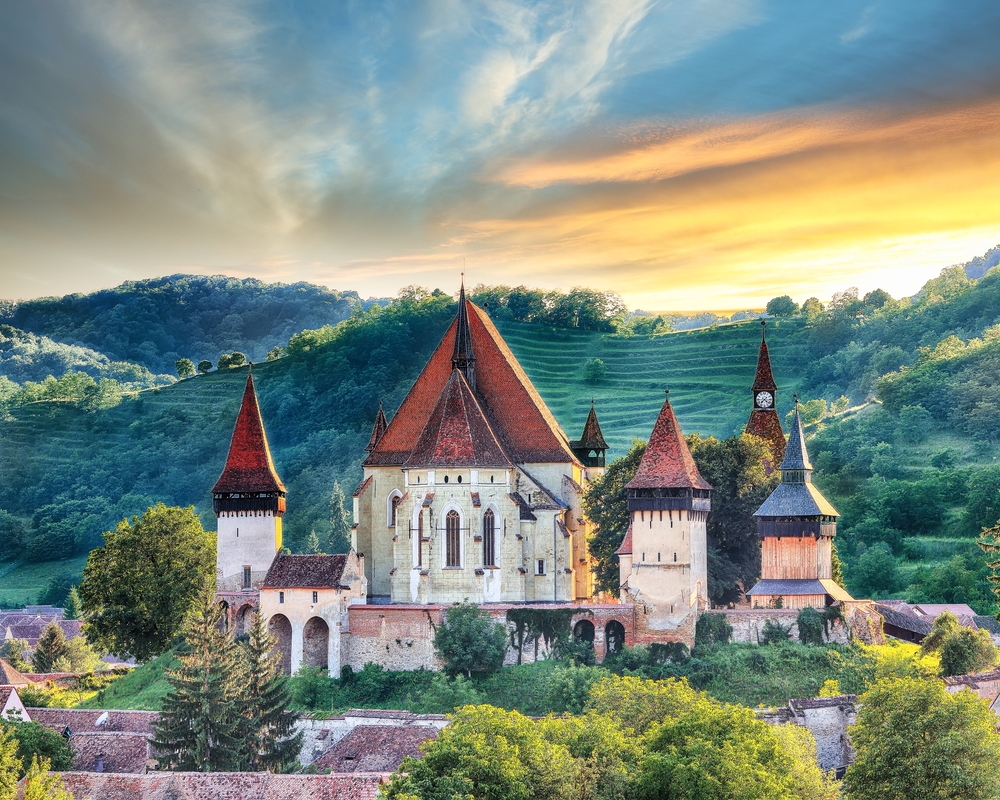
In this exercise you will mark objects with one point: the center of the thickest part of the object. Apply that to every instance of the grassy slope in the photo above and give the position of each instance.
(25, 583)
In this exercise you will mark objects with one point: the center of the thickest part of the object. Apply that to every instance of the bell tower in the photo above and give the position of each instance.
(249, 502)
(764, 420)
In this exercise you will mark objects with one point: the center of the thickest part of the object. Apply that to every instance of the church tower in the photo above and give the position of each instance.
(249, 502)
(796, 525)
(764, 420)
(668, 503)
(591, 447)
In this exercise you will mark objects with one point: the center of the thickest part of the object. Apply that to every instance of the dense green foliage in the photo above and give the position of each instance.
(34, 740)
(140, 584)
(468, 640)
(962, 650)
(914, 733)
(156, 322)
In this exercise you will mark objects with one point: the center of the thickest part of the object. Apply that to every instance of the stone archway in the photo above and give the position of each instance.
(281, 630)
(316, 644)
(224, 623)
(614, 637)
(241, 620)
(583, 631)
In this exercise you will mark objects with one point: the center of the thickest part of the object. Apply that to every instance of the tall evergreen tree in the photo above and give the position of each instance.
(340, 522)
(73, 610)
(198, 730)
(50, 648)
(268, 737)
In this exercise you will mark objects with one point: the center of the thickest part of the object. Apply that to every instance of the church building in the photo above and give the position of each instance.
(663, 560)
(796, 525)
(764, 420)
(473, 491)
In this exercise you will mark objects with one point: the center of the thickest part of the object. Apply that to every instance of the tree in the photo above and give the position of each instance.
(468, 640)
(594, 370)
(490, 753)
(267, 728)
(138, 586)
(79, 657)
(915, 422)
(10, 764)
(199, 726)
(606, 506)
(34, 740)
(740, 484)
(812, 308)
(340, 521)
(38, 784)
(12, 651)
(782, 306)
(11, 530)
(312, 543)
(275, 353)
(185, 368)
(913, 736)
(204, 366)
(50, 648)
(962, 650)
(72, 609)
(232, 360)
(876, 572)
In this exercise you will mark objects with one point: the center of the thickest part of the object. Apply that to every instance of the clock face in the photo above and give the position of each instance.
(764, 400)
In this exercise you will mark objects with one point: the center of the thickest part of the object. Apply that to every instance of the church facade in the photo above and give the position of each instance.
(473, 491)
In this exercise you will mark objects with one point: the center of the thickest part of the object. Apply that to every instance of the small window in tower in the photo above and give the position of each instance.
(445, 478)
(657, 556)
(315, 597)
(246, 577)
(281, 597)
(540, 566)
(489, 539)
(459, 478)
(237, 533)
(491, 479)
(675, 558)
(643, 556)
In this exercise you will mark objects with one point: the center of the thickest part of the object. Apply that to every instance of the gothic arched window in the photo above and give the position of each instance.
(395, 505)
(489, 539)
(453, 540)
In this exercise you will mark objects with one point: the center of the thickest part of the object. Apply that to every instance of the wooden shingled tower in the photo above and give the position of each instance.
(764, 420)
(590, 448)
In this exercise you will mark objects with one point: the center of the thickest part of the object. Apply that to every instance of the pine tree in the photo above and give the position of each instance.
(50, 648)
(73, 609)
(312, 543)
(340, 522)
(198, 729)
(268, 737)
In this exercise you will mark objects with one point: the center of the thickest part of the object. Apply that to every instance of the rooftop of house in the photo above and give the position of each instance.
(375, 748)
(30, 627)
(220, 786)
(667, 462)
(127, 753)
(794, 587)
(80, 720)
(305, 572)
(10, 676)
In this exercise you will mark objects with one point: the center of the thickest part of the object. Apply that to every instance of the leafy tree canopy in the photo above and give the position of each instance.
(468, 640)
(138, 587)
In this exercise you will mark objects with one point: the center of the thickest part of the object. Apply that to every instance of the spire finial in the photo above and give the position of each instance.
(666, 391)
(795, 397)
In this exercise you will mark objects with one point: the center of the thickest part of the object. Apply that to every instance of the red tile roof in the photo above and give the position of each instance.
(764, 379)
(249, 467)
(10, 676)
(110, 752)
(518, 416)
(375, 748)
(592, 438)
(80, 720)
(305, 572)
(767, 426)
(220, 786)
(378, 430)
(667, 462)
(457, 434)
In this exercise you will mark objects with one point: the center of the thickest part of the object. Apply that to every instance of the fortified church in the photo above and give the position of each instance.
(473, 492)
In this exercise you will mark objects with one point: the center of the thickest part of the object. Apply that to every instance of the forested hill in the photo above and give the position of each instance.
(155, 322)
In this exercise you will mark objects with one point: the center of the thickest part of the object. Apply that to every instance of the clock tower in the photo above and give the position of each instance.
(764, 420)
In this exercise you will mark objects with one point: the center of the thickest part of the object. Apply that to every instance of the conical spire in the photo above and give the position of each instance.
(249, 467)
(796, 456)
(592, 438)
(463, 357)
(764, 379)
(378, 429)
(667, 462)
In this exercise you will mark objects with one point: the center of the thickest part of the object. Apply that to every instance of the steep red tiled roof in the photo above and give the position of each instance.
(375, 748)
(516, 412)
(457, 434)
(592, 438)
(249, 467)
(626, 546)
(219, 786)
(378, 430)
(767, 426)
(305, 572)
(667, 462)
(10, 676)
(764, 379)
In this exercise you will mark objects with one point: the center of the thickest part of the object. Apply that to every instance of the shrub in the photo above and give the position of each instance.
(594, 370)
(569, 687)
(774, 633)
(712, 629)
(811, 624)
(468, 640)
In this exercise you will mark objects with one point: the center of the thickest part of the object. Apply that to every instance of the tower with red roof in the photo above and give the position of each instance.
(764, 420)
(249, 502)
(665, 567)
(473, 490)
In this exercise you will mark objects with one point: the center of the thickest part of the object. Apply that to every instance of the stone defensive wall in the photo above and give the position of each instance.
(861, 622)
(400, 636)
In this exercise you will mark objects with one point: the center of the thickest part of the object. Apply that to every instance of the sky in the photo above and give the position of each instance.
(689, 155)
